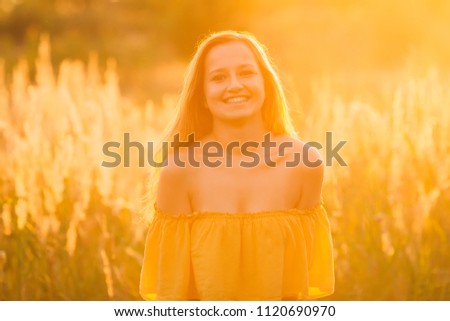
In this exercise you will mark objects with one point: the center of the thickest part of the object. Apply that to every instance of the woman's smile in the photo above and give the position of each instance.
(237, 100)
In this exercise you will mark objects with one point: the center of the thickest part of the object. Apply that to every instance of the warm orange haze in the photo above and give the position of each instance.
(375, 75)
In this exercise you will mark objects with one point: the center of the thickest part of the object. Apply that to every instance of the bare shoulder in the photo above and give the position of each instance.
(310, 157)
(309, 171)
(173, 194)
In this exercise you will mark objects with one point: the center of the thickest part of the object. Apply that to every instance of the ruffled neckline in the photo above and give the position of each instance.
(294, 211)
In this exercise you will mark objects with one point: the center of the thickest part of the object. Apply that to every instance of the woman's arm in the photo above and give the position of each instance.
(311, 171)
(172, 195)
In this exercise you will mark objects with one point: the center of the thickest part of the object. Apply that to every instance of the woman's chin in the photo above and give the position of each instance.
(238, 114)
(237, 118)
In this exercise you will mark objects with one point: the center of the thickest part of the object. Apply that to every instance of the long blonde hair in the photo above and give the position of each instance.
(193, 117)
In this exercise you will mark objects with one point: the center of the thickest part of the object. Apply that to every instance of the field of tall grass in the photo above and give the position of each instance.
(70, 228)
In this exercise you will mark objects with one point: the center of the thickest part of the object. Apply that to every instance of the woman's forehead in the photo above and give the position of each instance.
(229, 55)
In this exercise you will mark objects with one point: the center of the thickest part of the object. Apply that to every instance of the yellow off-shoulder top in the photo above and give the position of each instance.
(272, 255)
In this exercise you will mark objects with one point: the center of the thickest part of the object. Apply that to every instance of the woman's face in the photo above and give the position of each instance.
(233, 83)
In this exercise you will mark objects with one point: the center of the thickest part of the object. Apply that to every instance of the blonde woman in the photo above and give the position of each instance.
(238, 212)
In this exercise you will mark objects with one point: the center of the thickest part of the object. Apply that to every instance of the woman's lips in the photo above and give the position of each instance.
(236, 100)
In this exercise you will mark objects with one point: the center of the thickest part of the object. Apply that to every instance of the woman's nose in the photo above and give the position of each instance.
(235, 83)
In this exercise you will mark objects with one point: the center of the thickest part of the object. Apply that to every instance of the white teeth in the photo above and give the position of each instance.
(236, 99)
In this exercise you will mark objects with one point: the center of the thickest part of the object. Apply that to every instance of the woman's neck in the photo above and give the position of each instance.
(246, 131)
(237, 133)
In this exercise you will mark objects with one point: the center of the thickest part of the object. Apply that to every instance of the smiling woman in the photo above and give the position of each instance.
(230, 232)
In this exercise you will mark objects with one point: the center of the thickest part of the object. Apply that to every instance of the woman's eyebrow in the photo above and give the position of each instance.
(247, 65)
(216, 70)
(238, 67)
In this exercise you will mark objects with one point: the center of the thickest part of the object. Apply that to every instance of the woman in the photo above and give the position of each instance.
(248, 224)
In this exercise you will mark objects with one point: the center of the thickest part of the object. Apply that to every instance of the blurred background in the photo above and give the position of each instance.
(77, 74)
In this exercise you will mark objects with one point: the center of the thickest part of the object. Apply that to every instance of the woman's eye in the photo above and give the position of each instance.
(218, 77)
(247, 73)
